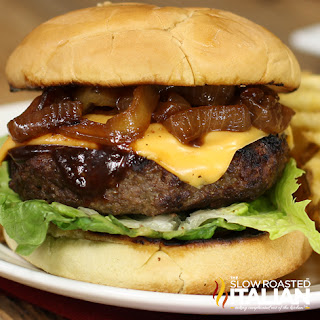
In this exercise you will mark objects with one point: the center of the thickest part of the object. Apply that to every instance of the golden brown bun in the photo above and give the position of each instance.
(129, 44)
(193, 268)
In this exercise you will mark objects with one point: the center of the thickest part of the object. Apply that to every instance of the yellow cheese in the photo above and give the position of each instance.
(102, 118)
(197, 166)
(55, 139)
(289, 136)
(60, 139)
(8, 144)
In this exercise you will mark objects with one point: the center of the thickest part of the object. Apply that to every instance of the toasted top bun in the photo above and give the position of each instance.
(191, 268)
(132, 43)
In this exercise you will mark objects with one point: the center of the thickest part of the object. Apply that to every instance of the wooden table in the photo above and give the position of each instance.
(15, 309)
(17, 18)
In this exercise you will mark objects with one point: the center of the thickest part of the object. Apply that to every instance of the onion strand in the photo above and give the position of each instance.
(193, 123)
(123, 128)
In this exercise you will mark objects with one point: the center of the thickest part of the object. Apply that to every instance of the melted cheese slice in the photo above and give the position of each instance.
(197, 166)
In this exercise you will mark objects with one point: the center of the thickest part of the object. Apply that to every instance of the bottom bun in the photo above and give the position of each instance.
(190, 268)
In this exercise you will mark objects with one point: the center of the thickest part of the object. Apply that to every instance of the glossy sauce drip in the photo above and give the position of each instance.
(88, 172)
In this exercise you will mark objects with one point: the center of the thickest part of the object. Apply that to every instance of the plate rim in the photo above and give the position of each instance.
(128, 298)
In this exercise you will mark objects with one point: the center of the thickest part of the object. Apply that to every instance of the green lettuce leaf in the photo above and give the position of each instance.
(27, 222)
(278, 214)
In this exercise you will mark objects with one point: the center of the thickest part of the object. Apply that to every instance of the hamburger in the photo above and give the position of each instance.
(157, 156)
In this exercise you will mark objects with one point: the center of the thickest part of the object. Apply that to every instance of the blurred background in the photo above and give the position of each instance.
(282, 17)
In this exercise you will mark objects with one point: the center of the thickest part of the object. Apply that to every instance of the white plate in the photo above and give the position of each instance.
(307, 39)
(15, 268)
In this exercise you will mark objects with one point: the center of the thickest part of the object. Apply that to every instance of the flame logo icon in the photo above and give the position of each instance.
(221, 291)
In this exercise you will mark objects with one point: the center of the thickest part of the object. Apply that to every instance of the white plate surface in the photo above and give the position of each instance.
(15, 268)
(307, 39)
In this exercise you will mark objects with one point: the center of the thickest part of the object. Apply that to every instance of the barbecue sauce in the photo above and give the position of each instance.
(88, 172)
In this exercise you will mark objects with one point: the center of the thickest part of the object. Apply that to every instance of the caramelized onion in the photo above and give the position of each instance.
(33, 123)
(35, 105)
(267, 114)
(123, 103)
(124, 127)
(89, 130)
(226, 108)
(100, 96)
(174, 104)
(207, 95)
(49, 96)
(193, 123)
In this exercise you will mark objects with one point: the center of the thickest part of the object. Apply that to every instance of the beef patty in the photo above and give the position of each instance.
(118, 182)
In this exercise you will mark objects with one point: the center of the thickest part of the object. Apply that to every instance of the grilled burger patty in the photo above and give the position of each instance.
(118, 182)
